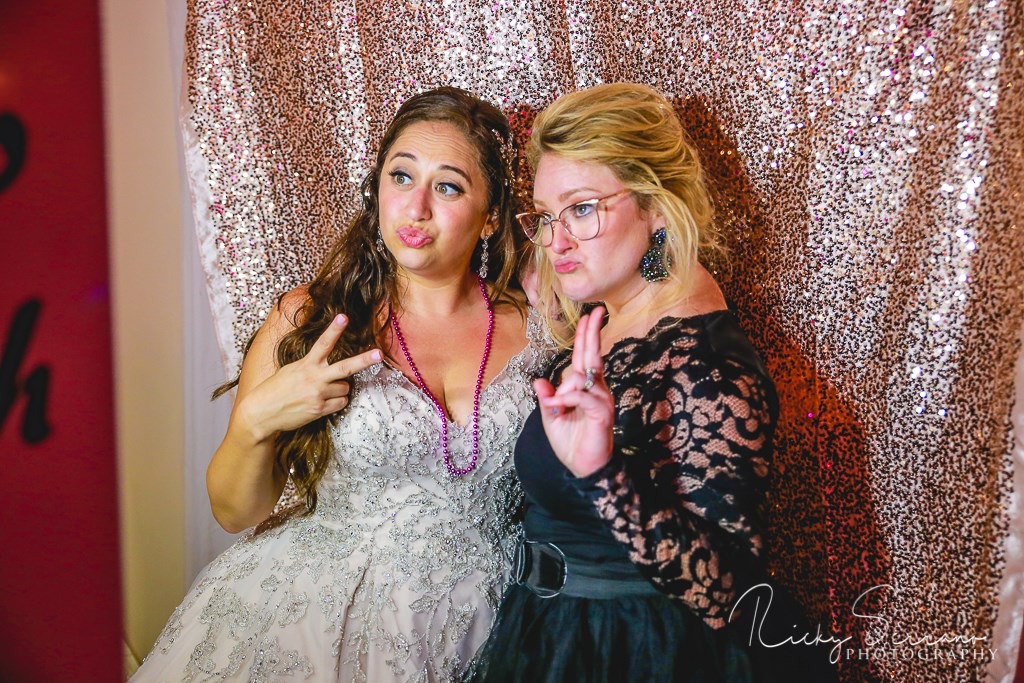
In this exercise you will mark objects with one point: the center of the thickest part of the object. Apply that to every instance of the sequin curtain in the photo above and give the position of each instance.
(866, 159)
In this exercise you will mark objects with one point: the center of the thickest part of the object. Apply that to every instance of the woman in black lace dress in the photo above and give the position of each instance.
(646, 462)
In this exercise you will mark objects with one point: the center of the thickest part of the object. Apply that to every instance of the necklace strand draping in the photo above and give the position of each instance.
(475, 425)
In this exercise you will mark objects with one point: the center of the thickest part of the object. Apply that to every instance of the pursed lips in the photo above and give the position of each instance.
(565, 265)
(413, 237)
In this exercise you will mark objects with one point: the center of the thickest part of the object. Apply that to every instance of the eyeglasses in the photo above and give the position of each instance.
(582, 220)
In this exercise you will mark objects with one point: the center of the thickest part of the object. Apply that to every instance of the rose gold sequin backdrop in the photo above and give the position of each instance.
(867, 163)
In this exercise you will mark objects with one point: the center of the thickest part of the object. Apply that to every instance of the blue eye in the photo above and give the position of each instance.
(448, 189)
(583, 209)
(400, 177)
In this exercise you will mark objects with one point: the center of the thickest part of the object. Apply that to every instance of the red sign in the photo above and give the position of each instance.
(60, 603)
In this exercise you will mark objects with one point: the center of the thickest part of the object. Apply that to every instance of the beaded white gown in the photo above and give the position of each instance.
(396, 575)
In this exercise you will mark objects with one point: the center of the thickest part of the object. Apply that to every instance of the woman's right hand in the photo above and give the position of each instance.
(304, 390)
(243, 480)
(579, 415)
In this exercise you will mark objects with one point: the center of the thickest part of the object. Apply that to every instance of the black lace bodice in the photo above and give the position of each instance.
(681, 494)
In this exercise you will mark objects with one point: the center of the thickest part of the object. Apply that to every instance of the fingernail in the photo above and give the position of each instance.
(554, 411)
(377, 356)
(339, 319)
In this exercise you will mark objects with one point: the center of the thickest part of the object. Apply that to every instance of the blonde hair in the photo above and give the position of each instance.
(633, 130)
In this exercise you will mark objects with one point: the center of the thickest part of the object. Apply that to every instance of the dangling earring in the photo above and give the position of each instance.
(482, 272)
(652, 265)
(380, 244)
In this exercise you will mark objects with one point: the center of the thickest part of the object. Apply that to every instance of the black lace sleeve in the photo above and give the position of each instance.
(683, 489)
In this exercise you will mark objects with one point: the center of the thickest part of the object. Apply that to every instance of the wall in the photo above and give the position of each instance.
(166, 358)
(145, 216)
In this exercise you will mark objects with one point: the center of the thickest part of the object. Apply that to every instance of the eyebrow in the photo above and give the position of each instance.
(568, 193)
(443, 167)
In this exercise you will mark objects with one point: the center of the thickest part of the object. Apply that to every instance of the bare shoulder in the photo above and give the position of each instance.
(261, 358)
(510, 327)
(287, 312)
(705, 296)
(512, 311)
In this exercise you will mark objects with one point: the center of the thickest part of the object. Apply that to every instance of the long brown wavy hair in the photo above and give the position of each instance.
(357, 277)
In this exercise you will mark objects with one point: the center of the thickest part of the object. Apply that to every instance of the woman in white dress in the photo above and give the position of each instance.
(392, 389)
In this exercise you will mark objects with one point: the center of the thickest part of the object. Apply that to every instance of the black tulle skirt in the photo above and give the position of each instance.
(649, 639)
(644, 639)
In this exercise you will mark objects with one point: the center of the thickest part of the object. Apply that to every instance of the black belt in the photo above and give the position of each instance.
(543, 568)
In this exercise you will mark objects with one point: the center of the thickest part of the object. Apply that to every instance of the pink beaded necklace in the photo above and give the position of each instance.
(455, 471)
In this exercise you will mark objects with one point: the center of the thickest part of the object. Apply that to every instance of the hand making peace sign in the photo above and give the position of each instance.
(307, 389)
(579, 414)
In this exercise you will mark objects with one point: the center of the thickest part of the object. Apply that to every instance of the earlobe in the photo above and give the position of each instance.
(655, 221)
(490, 226)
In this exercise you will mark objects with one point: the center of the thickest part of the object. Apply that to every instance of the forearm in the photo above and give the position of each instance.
(242, 480)
(681, 552)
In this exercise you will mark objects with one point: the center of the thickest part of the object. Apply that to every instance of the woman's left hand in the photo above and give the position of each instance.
(578, 415)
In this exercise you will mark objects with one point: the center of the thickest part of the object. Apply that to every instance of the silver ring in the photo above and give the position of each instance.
(588, 384)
